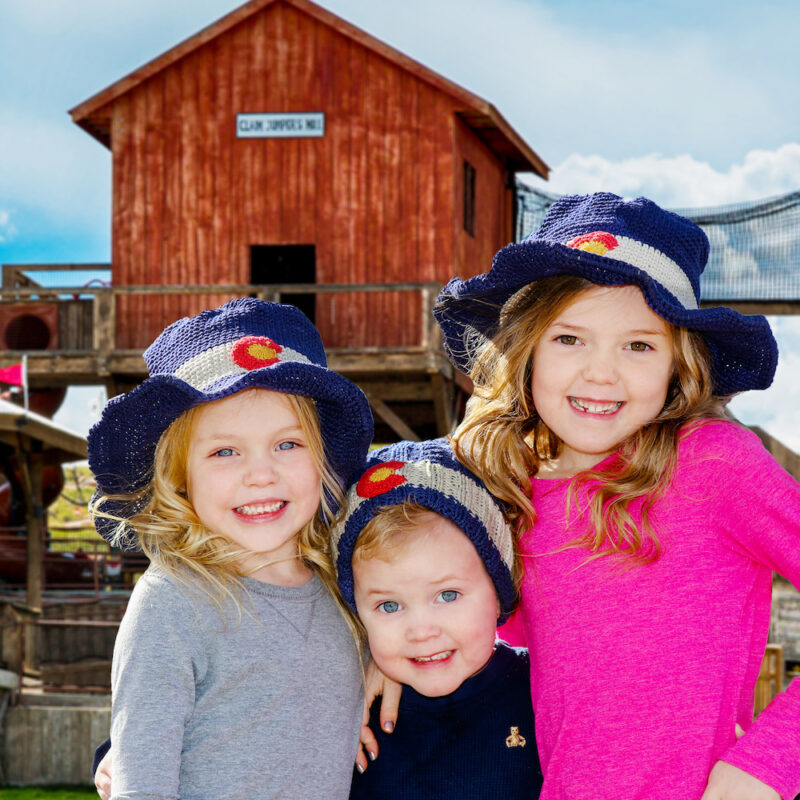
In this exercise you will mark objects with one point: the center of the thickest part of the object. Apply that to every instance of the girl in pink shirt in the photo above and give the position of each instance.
(649, 522)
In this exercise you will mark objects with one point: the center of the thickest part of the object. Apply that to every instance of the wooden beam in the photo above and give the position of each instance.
(443, 404)
(405, 390)
(403, 430)
(31, 469)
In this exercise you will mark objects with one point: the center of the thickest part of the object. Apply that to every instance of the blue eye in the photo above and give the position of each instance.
(224, 452)
(287, 445)
(389, 606)
(449, 595)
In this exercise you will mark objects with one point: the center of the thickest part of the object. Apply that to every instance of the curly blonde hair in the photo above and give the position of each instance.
(503, 440)
(173, 537)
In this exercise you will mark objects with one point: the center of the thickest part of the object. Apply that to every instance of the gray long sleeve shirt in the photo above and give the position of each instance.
(207, 706)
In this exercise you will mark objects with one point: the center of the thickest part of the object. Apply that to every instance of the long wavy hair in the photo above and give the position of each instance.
(504, 441)
(173, 537)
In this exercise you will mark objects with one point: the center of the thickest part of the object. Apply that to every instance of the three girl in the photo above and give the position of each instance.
(235, 671)
(649, 523)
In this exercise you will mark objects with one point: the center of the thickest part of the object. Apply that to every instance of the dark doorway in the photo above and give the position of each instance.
(286, 263)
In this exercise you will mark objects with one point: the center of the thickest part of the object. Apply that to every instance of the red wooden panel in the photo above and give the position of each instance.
(407, 243)
(223, 137)
(444, 182)
(427, 133)
(379, 196)
(154, 157)
(352, 308)
(377, 185)
(173, 191)
(121, 213)
(190, 167)
(241, 151)
(136, 251)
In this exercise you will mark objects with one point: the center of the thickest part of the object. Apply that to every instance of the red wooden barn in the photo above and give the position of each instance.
(284, 145)
(284, 153)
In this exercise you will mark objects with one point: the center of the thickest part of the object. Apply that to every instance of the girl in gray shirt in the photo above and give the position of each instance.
(236, 670)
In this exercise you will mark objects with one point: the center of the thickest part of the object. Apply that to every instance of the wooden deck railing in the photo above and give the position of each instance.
(103, 301)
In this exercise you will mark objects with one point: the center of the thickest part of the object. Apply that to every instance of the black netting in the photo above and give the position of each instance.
(755, 247)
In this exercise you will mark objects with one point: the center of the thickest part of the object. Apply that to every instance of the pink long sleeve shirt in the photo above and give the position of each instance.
(638, 676)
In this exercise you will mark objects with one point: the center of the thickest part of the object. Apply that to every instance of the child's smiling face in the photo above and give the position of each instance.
(251, 476)
(600, 372)
(430, 611)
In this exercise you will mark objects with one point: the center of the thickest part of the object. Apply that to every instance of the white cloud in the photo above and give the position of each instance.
(681, 181)
(7, 228)
(53, 168)
(776, 409)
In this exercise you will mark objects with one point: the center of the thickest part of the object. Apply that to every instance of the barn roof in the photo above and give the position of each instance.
(94, 114)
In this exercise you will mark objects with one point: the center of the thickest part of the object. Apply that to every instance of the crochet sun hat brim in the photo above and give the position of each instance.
(122, 444)
(429, 475)
(612, 242)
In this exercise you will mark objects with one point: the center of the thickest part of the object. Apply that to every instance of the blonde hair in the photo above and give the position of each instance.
(503, 440)
(382, 537)
(173, 537)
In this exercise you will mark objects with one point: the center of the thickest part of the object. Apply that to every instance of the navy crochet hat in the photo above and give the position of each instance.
(244, 344)
(614, 242)
(427, 474)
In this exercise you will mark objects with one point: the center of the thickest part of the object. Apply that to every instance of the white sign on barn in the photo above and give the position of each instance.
(280, 126)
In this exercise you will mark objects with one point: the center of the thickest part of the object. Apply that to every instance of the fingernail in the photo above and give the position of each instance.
(371, 756)
(360, 768)
(388, 726)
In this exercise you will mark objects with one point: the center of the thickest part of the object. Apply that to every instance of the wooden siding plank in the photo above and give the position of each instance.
(343, 207)
(190, 167)
(393, 187)
(427, 184)
(446, 215)
(303, 65)
(153, 312)
(376, 100)
(204, 68)
(224, 265)
(263, 181)
(358, 324)
(326, 190)
(407, 243)
(241, 153)
(122, 198)
(173, 191)
(138, 268)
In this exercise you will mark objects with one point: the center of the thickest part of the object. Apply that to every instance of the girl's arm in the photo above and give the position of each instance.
(377, 684)
(727, 782)
(765, 502)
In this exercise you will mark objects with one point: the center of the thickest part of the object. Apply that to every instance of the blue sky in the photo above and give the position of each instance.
(688, 103)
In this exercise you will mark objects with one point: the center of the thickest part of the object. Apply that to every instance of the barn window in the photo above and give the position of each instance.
(286, 263)
(469, 198)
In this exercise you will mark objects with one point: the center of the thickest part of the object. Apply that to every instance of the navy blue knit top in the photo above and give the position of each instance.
(477, 742)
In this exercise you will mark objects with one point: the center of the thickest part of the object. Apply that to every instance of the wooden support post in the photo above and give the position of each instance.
(403, 430)
(443, 404)
(426, 314)
(32, 463)
(104, 328)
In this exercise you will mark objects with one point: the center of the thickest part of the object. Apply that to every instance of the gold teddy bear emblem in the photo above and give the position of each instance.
(515, 740)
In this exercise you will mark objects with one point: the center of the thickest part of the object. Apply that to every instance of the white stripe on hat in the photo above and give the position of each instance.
(656, 264)
(206, 368)
(455, 486)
